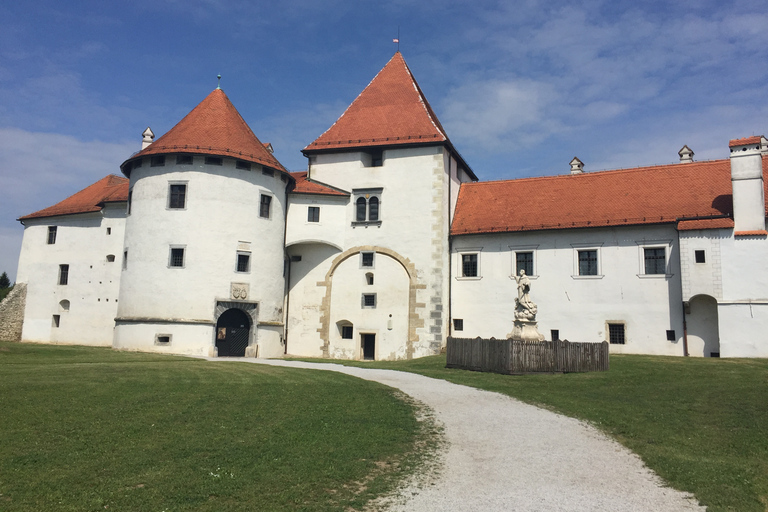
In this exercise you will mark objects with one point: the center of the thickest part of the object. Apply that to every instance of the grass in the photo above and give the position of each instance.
(701, 424)
(93, 429)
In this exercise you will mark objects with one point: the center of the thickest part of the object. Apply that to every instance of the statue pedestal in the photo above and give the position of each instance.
(526, 330)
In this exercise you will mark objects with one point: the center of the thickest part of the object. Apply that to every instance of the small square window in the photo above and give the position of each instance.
(176, 257)
(63, 274)
(701, 256)
(56, 320)
(109, 231)
(243, 262)
(588, 263)
(110, 258)
(184, 160)
(264, 206)
(346, 332)
(52, 234)
(313, 214)
(616, 334)
(242, 164)
(458, 324)
(469, 265)
(267, 172)
(296, 258)
(524, 261)
(655, 260)
(214, 160)
(555, 334)
(369, 300)
(671, 335)
(162, 339)
(157, 161)
(366, 259)
(177, 196)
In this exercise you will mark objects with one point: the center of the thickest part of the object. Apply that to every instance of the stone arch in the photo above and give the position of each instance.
(414, 319)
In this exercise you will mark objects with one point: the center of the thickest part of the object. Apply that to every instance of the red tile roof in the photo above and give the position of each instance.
(755, 139)
(305, 186)
(390, 110)
(646, 195)
(91, 199)
(690, 225)
(214, 127)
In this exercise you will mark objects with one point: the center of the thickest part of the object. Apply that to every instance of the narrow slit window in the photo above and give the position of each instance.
(264, 206)
(52, 234)
(63, 274)
(56, 320)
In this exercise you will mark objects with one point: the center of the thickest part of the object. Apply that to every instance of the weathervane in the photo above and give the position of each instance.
(397, 39)
(219, 85)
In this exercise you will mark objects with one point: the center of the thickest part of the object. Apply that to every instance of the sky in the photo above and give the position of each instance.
(521, 87)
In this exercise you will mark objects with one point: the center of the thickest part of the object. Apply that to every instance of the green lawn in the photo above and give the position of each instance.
(701, 424)
(93, 429)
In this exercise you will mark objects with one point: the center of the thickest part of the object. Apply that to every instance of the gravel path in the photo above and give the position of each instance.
(504, 455)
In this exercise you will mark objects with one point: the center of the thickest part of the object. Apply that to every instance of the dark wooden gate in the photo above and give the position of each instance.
(233, 331)
(369, 347)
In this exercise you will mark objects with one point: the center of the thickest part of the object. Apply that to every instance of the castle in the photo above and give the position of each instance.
(387, 244)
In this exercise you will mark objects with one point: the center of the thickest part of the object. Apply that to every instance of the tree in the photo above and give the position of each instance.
(4, 281)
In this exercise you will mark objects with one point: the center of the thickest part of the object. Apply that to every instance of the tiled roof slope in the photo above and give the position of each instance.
(755, 139)
(91, 199)
(391, 110)
(646, 195)
(214, 127)
(305, 186)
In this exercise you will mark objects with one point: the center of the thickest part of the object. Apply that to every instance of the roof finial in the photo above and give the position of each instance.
(219, 85)
(397, 40)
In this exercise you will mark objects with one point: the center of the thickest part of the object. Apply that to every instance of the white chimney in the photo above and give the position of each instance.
(149, 136)
(764, 145)
(686, 155)
(747, 185)
(577, 166)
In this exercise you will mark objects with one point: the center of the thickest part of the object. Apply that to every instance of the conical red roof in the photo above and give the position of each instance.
(214, 127)
(112, 189)
(391, 110)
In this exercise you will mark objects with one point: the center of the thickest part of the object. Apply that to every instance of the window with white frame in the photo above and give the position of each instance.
(655, 259)
(177, 196)
(368, 301)
(586, 261)
(366, 259)
(524, 261)
(265, 205)
(469, 265)
(243, 262)
(176, 257)
(367, 204)
(313, 214)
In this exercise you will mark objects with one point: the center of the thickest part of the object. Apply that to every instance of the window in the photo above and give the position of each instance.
(524, 261)
(52, 234)
(64, 305)
(616, 335)
(63, 274)
(130, 200)
(184, 160)
(242, 164)
(366, 259)
(110, 258)
(177, 196)
(157, 161)
(56, 320)
(267, 172)
(125, 259)
(243, 262)
(137, 163)
(214, 160)
(313, 214)
(176, 258)
(367, 207)
(700, 256)
(655, 260)
(109, 231)
(671, 335)
(458, 324)
(588, 262)
(469, 265)
(555, 334)
(162, 339)
(264, 204)
(346, 332)
(377, 159)
(369, 300)
(369, 278)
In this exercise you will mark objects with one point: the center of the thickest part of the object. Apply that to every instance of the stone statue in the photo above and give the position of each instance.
(525, 312)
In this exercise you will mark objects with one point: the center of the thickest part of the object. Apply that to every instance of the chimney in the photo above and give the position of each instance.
(577, 166)
(686, 155)
(747, 185)
(149, 136)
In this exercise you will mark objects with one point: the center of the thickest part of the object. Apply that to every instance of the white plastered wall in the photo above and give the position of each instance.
(93, 283)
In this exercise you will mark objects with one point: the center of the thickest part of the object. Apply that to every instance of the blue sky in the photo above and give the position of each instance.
(521, 87)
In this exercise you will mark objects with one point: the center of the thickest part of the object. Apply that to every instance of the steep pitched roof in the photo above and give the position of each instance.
(390, 110)
(214, 127)
(305, 186)
(110, 189)
(646, 195)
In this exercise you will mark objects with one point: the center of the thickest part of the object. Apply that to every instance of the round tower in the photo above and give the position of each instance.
(203, 256)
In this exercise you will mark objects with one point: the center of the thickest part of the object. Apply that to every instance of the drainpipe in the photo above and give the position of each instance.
(685, 323)
(287, 271)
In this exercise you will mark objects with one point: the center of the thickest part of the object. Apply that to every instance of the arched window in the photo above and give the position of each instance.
(373, 208)
(361, 209)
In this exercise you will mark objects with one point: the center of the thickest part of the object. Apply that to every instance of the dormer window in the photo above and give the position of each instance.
(214, 160)
(157, 161)
(373, 158)
(242, 164)
(184, 160)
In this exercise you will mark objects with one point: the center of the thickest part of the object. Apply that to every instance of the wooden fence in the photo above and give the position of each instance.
(518, 357)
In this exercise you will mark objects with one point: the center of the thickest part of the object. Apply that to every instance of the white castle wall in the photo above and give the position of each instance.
(221, 217)
(93, 285)
(579, 307)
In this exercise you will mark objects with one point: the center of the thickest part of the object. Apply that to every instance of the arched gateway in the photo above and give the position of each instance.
(233, 332)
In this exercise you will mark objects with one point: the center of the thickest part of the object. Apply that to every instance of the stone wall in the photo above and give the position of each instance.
(12, 313)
